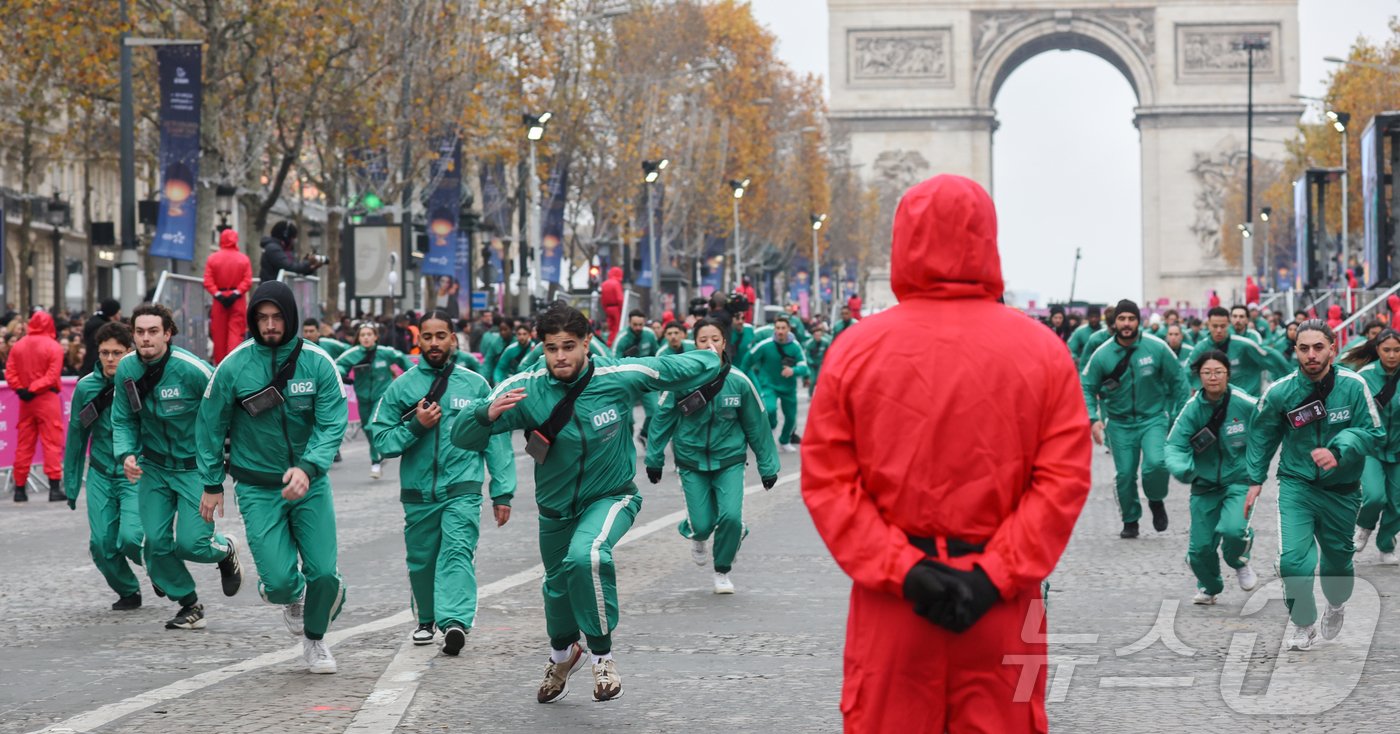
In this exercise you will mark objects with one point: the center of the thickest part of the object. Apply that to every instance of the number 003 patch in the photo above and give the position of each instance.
(604, 417)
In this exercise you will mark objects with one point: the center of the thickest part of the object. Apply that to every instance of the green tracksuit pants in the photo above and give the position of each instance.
(367, 405)
(788, 400)
(1135, 445)
(114, 522)
(293, 544)
(1218, 528)
(1315, 525)
(175, 533)
(580, 580)
(812, 381)
(441, 539)
(1380, 501)
(714, 505)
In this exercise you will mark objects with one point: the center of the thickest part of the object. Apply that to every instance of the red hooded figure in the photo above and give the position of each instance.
(854, 304)
(1006, 428)
(610, 298)
(1251, 290)
(32, 371)
(228, 274)
(1214, 300)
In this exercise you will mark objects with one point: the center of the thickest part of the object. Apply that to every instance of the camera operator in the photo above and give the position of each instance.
(279, 253)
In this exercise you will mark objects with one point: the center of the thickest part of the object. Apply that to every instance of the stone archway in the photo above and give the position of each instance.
(914, 82)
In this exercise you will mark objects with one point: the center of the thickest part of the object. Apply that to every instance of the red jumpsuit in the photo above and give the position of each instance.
(610, 298)
(229, 271)
(915, 434)
(1251, 291)
(35, 363)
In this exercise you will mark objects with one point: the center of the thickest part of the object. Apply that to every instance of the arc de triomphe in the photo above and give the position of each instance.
(913, 84)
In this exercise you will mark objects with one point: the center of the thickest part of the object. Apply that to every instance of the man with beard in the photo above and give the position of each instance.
(1136, 382)
(154, 419)
(577, 414)
(1242, 325)
(1080, 337)
(441, 483)
(280, 400)
(676, 343)
(1327, 423)
(1248, 359)
(369, 365)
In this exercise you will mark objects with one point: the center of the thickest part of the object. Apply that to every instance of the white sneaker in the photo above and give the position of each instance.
(722, 583)
(1203, 598)
(1247, 578)
(700, 552)
(788, 448)
(1332, 621)
(1303, 638)
(292, 615)
(1362, 537)
(317, 656)
(376, 471)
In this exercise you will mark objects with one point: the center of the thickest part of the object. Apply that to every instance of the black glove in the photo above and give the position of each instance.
(972, 593)
(228, 299)
(768, 482)
(654, 474)
(928, 590)
(23, 394)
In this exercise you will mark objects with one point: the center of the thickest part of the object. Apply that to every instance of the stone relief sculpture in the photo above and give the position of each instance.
(1213, 172)
(905, 54)
(1135, 25)
(1213, 50)
(990, 27)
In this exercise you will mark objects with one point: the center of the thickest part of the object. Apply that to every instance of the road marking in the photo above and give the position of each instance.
(394, 690)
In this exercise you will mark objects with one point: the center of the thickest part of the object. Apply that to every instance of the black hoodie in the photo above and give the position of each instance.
(279, 294)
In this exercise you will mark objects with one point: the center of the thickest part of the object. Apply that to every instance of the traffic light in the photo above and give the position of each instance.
(593, 273)
(367, 205)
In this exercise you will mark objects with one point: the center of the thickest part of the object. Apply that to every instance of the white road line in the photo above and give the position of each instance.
(386, 705)
(392, 693)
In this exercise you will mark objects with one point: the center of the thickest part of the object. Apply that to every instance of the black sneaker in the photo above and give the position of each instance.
(1159, 515)
(795, 439)
(336, 460)
(454, 639)
(188, 618)
(424, 634)
(56, 493)
(20, 496)
(159, 591)
(127, 603)
(1130, 530)
(230, 571)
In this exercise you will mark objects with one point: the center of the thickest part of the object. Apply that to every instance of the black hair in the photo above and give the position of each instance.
(1217, 311)
(114, 331)
(634, 313)
(1210, 354)
(1372, 324)
(521, 324)
(783, 318)
(1238, 307)
(559, 317)
(1194, 323)
(674, 325)
(1296, 314)
(440, 315)
(1369, 351)
(1171, 312)
(723, 328)
(1093, 311)
(167, 321)
(311, 322)
(1320, 326)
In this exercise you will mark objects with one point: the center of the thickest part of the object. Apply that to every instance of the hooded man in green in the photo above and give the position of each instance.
(153, 420)
(370, 366)
(577, 414)
(441, 482)
(280, 401)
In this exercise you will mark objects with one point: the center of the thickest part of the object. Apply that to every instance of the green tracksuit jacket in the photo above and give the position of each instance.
(765, 362)
(632, 344)
(718, 435)
(1079, 340)
(742, 342)
(1221, 464)
(1248, 361)
(665, 349)
(1352, 430)
(1380, 481)
(816, 354)
(491, 347)
(333, 347)
(1152, 386)
(168, 416)
(76, 451)
(514, 359)
(841, 326)
(371, 371)
(466, 359)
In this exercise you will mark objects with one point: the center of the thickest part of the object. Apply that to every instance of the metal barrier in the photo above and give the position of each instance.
(307, 290)
(189, 304)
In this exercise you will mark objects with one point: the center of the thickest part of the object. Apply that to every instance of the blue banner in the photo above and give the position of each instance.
(444, 204)
(495, 214)
(800, 284)
(713, 277)
(658, 198)
(824, 281)
(464, 271)
(180, 95)
(552, 229)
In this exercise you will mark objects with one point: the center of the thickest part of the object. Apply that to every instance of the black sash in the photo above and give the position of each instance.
(137, 390)
(1110, 381)
(271, 395)
(783, 355)
(693, 402)
(435, 391)
(94, 408)
(540, 438)
(1388, 389)
(1314, 406)
(1206, 437)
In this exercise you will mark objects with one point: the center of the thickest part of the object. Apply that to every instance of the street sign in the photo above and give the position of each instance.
(479, 300)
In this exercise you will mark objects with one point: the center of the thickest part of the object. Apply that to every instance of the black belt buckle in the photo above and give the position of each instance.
(262, 401)
(88, 415)
(692, 403)
(537, 446)
(1305, 414)
(1202, 439)
(133, 394)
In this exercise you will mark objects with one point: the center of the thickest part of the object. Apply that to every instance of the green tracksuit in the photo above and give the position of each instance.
(587, 499)
(333, 347)
(370, 369)
(114, 516)
(159, 435)
(1380, 480)
(841, 326)
(1218, 485)
(741, 342)
(1317, 509)
(665, 349)
(639, 344)
(441, 490)
(1078, 340)
(1139, 410)
(710, 445)
(514, 359)
(1249, 361)
(766, 362)
(816, 353)
(491, 347)
(293, 541)
(466, 359)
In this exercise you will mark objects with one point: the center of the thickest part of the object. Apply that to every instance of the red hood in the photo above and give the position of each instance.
(1334, 315)
(228, 240)
(615, 274)
(41, 324)
(945, 242)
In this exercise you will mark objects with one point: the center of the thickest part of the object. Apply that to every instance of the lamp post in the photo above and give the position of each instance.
(738, 277)
(652, 171)
(817, 221)
(1264, 215)
(1250, 44)
(1339, 123)
(57, 216)
(534, 132)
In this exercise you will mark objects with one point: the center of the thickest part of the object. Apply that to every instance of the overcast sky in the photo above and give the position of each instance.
(1067, 160)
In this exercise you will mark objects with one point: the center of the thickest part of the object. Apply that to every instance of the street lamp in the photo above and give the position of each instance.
(1339, 123)
(1264, 244)
(739, 187)
(817, 221)
(534, 132)
(1250, 43)
(56, 214)
(1367, 64)
(651, 171)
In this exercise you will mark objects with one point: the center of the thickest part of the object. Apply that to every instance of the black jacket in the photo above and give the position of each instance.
(276, 258)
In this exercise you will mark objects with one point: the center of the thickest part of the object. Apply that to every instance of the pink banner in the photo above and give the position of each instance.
(9, 421)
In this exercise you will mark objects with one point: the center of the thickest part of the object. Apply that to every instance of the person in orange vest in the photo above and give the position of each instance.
(228, 274)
